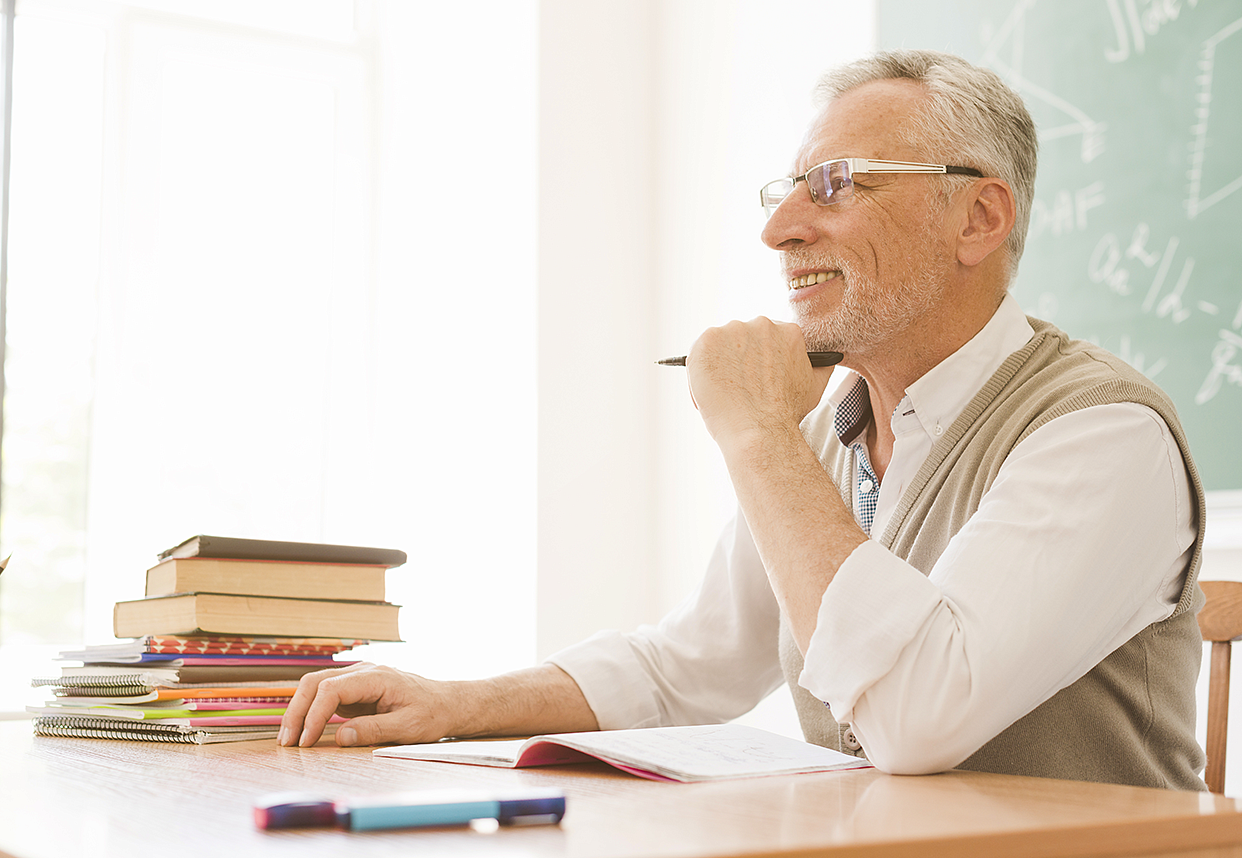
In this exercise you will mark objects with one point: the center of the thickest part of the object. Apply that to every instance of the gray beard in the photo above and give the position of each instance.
(867, 316)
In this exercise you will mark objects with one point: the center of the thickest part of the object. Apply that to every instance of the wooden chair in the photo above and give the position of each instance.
(1220, 622)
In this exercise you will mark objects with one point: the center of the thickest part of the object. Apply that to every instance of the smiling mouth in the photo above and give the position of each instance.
(811, 279)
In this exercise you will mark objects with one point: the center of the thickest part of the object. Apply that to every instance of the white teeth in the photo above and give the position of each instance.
(812, 279)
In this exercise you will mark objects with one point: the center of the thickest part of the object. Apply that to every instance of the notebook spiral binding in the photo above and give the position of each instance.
(120, 679)
(92, 727)
(68, 731)
(101, 690)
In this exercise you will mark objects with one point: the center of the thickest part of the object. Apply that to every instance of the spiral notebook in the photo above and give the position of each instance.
(89, 727)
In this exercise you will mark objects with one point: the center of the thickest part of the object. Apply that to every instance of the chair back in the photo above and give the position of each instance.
(1220, 622)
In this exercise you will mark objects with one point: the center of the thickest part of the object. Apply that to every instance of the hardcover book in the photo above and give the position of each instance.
(231, 614)
(150, 645)
(266, 549)
(304, 580)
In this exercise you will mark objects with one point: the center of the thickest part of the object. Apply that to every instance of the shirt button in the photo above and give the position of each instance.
(939, 430)
(850, 741)
(866, 487)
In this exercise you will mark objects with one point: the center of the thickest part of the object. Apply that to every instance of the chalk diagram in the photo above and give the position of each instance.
(1228, 38)
(1074, 120)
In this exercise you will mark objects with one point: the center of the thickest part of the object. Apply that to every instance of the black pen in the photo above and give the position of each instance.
(816, 358)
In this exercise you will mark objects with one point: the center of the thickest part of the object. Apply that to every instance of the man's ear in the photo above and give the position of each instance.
(988, 218)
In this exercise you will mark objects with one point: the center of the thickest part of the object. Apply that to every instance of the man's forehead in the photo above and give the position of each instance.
(862, 123)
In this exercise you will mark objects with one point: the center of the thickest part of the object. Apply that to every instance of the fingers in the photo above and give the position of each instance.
(394, 726)
(315, 701)
(745, 376)
(383, 704)
(743, 350)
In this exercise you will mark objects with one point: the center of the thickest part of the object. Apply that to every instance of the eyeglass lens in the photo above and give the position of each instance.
(828, 183)
(831, 182)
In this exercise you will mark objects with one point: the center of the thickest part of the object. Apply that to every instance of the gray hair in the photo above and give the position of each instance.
(971, 118)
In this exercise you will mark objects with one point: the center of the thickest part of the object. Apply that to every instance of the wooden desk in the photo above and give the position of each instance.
(85, 797)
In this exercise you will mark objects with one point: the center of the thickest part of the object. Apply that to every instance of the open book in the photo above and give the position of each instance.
(687, 754)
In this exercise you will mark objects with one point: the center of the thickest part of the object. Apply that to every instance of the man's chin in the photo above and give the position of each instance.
(821, 336)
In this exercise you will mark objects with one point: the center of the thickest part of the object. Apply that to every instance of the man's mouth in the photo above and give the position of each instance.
(811, 279)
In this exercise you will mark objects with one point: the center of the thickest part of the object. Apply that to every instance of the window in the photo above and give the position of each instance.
(221, 319)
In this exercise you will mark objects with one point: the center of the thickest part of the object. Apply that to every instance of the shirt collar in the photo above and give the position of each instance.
(945, 390)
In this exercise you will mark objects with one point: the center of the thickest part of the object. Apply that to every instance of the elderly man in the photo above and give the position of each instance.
(980, 551)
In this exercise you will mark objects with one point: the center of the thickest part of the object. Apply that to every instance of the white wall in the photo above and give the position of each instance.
(597, 307)
(455, 323)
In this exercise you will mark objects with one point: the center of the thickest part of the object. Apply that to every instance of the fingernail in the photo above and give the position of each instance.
(346, 736)
(282, 738)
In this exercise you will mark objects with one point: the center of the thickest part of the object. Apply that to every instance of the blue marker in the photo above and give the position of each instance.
(410, 810)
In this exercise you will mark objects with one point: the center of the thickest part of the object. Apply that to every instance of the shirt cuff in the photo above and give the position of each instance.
(612, 680)
(872, 610)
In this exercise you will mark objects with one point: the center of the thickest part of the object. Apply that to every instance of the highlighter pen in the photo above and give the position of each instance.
(816, 358)
(410, 810)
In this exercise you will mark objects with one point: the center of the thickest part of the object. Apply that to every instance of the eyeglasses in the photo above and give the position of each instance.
(831, 181)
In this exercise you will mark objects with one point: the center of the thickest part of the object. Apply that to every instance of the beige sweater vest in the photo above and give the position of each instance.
(1131, 719)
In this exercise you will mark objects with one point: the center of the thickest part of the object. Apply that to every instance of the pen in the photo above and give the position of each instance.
(410, 809)
(817, 359)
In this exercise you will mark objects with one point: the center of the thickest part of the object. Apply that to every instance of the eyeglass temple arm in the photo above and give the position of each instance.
(867, 166)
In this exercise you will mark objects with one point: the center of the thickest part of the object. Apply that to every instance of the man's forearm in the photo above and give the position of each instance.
(802, 529)
(543, 699)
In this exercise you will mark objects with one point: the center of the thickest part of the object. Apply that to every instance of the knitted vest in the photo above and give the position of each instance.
(1131, 719)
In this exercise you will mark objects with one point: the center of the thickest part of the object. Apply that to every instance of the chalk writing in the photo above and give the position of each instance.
(1138, 25)
(1106, 266)
(1138, 360)
(1068, 211)
(1196, 200)
(1102, 267)
(1004, 51)
(1224, 369)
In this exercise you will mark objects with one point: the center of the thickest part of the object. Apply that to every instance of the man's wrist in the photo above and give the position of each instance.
(758, 447)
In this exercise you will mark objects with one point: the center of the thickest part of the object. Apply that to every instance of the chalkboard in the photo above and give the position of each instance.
(1136, 234)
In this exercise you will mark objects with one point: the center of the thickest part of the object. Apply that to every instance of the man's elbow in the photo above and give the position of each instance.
(914, 752)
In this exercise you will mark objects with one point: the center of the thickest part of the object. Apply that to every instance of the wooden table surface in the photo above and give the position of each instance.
(90, 797)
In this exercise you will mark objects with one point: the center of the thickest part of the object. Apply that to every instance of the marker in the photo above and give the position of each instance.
(409, 810)
(816, 358)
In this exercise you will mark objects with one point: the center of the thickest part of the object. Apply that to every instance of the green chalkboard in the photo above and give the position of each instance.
(1136, 234)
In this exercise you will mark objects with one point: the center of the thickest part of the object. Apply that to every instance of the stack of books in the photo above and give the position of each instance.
(226, 629)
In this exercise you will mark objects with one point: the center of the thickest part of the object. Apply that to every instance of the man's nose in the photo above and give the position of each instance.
(792, 223)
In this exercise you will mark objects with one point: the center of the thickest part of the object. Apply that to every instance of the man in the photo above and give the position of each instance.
(981, 552)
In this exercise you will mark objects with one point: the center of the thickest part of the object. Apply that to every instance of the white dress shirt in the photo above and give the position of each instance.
(1082, 541)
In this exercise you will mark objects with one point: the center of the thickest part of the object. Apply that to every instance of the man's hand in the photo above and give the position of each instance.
(384, 705)
(752, 378)
(388, 705)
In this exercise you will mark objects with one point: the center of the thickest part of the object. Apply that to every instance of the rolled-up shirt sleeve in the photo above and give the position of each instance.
(712, 658)
(1082, 541)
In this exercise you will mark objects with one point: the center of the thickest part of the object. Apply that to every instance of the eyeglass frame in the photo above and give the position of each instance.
(859, 165)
